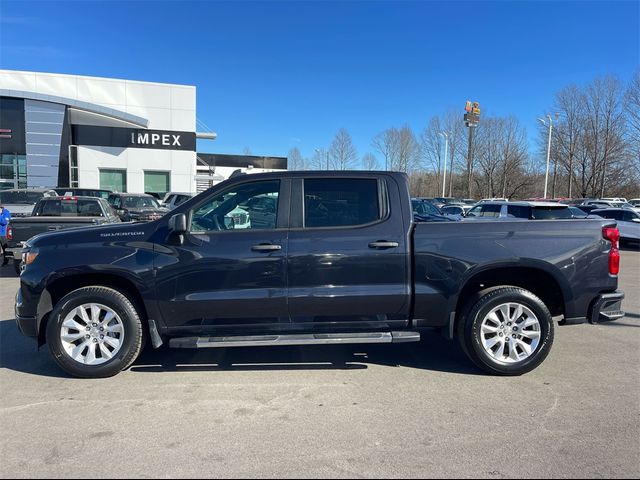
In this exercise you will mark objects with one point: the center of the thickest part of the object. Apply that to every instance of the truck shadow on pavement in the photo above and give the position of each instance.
(432, 353)
(20, 354)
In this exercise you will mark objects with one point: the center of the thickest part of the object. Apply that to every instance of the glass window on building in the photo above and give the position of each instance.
(114, 180)
(13, 171)
(158, 183)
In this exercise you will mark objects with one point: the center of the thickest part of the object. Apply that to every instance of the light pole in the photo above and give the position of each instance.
(446, 148)
(546, 177)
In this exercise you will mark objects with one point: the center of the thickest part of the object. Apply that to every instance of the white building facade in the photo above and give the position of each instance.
(96, 133)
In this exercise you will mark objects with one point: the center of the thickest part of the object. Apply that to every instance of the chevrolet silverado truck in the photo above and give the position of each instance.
(52, 214)
(340, 261)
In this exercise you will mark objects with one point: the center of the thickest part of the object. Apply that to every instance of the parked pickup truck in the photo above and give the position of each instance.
(51, 214)
(340, 261)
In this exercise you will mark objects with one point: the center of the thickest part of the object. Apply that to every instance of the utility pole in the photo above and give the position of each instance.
(546, 176)
(472, 119)
(446, 148)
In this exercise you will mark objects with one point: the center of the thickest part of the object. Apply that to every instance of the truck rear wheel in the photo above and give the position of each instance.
(506, 331)
(94, 332)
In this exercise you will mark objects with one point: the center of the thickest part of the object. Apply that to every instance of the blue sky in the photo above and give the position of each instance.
(274, 75)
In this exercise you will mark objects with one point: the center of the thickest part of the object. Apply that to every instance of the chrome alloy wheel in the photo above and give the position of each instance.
(92, 334)
(510, 333)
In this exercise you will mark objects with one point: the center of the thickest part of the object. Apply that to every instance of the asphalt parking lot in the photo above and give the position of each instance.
(350, 411)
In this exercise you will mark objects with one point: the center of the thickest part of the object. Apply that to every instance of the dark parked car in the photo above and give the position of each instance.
(136, 207)
(425, 211)
(456, 210)
(52, 214)
(366, 273)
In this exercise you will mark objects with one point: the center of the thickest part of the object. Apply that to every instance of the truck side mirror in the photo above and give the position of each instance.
(178, 223)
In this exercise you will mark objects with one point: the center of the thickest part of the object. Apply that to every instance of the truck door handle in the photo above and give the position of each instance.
(266, 247)
(381, 244)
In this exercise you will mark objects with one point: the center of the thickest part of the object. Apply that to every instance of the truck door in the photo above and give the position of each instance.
(230, 272)
(348, 254)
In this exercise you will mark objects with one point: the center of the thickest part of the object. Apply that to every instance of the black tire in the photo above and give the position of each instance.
(470, 322)
(132, 324)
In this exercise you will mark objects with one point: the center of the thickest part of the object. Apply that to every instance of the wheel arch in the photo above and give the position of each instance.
(61, 286)
(540, 278)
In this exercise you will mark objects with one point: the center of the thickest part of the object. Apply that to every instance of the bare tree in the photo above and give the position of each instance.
(343, 153)
(432, 151)
(296, 161)
(386, 144)
(370, 162)
(605, 122)
(246, 151)
(632, 110)
(407, 158)
(319, 160)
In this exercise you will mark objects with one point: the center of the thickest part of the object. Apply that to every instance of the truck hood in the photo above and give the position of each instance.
(95, 234)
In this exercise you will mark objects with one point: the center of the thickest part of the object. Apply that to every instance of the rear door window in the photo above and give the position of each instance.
(341, 202)
(551, 213)
(519, 211)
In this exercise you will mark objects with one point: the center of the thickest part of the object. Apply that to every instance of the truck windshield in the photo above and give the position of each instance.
(140, 202)
(17, 198)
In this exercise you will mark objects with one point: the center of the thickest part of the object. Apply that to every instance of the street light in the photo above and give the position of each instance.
(546, 177)
(446, 148)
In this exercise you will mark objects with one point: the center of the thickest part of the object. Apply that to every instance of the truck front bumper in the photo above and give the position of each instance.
(27, 324)
(607, 308)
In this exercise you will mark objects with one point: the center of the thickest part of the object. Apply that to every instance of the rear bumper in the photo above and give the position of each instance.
(607, 308)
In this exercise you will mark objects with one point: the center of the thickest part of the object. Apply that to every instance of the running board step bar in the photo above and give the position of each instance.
(298, 339)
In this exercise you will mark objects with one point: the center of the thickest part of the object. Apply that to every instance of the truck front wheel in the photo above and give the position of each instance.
(506, 331)
(94, 332)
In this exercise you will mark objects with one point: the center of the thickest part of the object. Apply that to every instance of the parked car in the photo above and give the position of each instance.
(425, 211)
(136, 207)
(628, 222)
(635, 202)
(52, 214)
(519, 210)
(606, 203)
(615, 199)
(83, 192)
(172, 199)
(577, 213)
(576, 201)
(366, 273)
(20, 202)
(588, 208)
(456, 210)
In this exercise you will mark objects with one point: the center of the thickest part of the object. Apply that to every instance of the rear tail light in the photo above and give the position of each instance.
(9, 232)
(612, 234)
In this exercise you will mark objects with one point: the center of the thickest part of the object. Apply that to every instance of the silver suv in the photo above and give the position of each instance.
(519, 210)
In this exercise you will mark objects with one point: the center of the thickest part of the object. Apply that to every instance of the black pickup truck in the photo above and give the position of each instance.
(340, 260)
(52, 214)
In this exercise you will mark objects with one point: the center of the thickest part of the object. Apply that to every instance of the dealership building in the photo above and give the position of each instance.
(102, 133)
